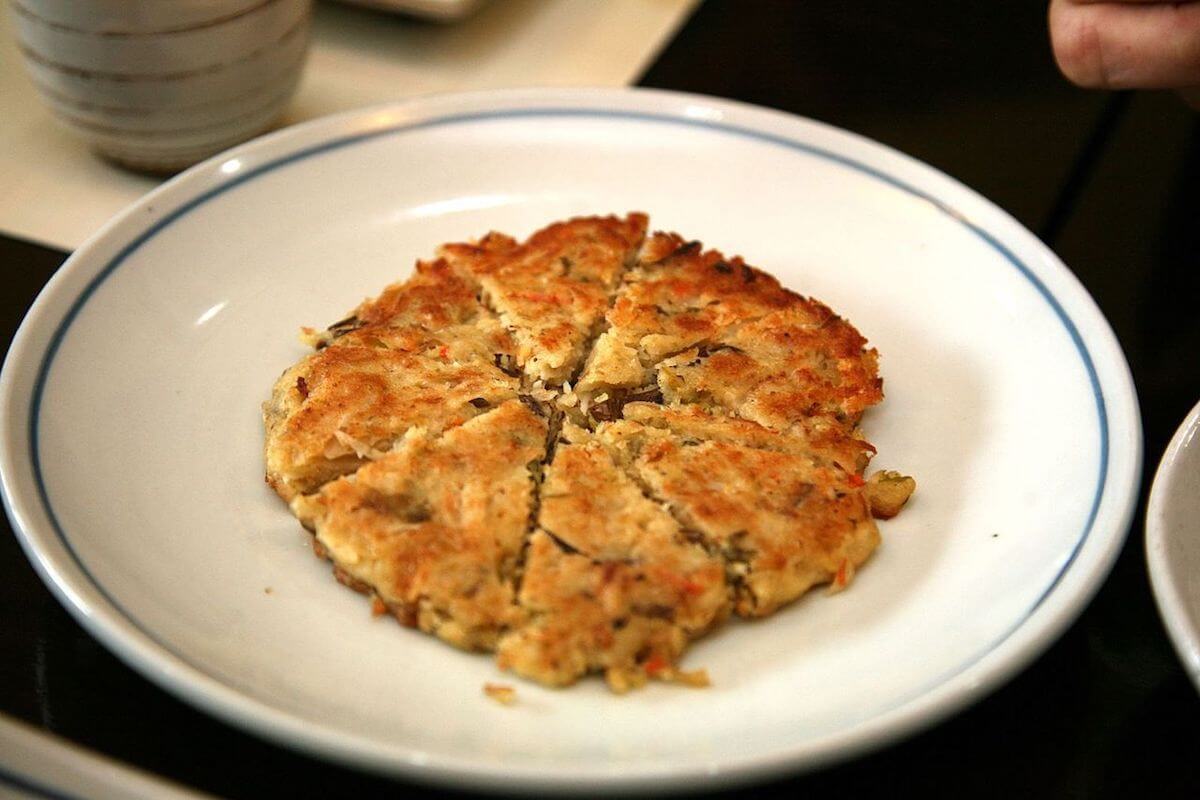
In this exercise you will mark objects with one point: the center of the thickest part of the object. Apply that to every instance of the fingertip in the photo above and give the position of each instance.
(1123, 45)
(1076, 44)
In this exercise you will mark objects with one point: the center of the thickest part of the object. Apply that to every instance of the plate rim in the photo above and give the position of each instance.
(1167, 595)
(1034, 633)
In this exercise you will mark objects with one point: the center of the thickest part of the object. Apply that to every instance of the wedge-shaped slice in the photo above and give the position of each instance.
(782, 521)
(346, 405)
(810, 436)
(552, 291)
(434, 306)
(715, 332)
(425, 353)
(784, 367)
(435, 528)
(610, 583)
(676, 297)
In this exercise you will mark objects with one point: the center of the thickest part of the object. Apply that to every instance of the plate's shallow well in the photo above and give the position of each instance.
(1173, 541)
(132, 461)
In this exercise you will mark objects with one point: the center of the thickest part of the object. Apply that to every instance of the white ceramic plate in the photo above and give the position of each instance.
(39, 766)
(132, 464)
(1173, 541)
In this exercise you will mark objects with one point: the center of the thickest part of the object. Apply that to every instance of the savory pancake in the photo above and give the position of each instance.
(425, 353)
(583, 450)
(698, 328)
(435, 527)
(621, 618)
(780, 521)
(610, 582)
(553, 290)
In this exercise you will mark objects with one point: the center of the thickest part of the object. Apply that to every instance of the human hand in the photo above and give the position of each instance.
(1128, 44)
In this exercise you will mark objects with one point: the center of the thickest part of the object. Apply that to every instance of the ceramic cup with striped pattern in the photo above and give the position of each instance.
(159, 85)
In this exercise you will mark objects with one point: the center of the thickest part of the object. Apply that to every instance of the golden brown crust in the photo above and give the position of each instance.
(610, 582)
(707, 460)
(425, 353)
(781, 521)
(626, 618)
(719, 333)
(810, 435)
(552, 291)
(345, 405)
(436, 527)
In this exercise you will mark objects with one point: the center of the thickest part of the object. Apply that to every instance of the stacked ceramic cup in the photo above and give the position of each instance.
(160, 85)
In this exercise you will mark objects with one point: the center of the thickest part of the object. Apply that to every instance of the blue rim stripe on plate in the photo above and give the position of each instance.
(550, 112)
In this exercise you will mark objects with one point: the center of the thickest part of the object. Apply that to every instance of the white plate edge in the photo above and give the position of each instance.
(1167, 595)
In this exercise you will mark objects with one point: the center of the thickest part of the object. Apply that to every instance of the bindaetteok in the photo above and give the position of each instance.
(583, 450)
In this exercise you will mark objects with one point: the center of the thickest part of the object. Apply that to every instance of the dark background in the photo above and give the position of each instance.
(1110, 181)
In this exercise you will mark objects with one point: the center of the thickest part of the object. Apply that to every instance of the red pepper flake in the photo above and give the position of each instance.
(540, 297)
(840, 579)
(681, 583)
(680, 288)
(656, 664)
(302, 387)
(444, 352)
(857, 480)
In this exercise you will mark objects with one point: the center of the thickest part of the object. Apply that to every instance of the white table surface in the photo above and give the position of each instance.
(54, 191)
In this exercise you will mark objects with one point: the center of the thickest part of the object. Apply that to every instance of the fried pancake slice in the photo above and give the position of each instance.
(345, 406)
(702, 329)
(782, 520)
(552, 290)
(435, 528)
(816, 436)
(424, 353)
(611, 583)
